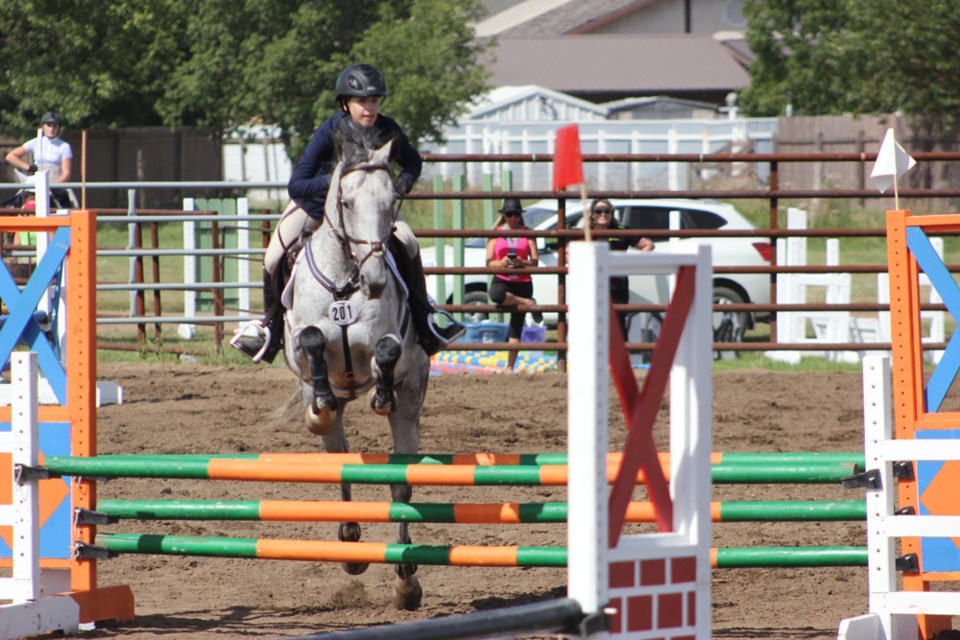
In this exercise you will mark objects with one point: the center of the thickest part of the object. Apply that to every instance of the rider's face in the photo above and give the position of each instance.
(364, 110)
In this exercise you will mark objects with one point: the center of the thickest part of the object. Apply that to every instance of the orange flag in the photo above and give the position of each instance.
(567, 161)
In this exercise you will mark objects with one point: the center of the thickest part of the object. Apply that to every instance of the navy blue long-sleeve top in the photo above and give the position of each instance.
(310, 179)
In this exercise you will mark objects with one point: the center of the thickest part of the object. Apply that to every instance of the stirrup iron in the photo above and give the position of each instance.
(460, 332)
(241, 333)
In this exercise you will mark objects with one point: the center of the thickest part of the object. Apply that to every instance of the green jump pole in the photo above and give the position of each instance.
(534, 459)
(449, 555)
(510, 513)
(417, 474)
(755, 557)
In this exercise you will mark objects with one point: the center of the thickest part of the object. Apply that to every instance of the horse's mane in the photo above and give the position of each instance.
(355, 144)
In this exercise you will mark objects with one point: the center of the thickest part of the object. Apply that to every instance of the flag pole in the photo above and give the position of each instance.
(83, 169)
(896, 194)
(587, 233)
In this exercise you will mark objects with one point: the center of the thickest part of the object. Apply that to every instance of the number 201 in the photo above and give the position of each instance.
(341, 313)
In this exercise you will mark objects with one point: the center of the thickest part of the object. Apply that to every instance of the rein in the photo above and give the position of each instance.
(345, 239)
(377, 249)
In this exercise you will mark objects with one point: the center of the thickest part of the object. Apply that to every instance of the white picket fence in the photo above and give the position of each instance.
(815, 327)
(610, 137)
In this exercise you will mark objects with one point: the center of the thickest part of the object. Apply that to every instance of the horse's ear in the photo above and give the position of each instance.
(385, 153)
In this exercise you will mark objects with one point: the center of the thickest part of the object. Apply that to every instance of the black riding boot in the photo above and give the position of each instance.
(251, 344)
(430, 336)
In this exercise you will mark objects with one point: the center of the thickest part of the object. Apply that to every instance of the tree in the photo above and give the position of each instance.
(805, 55)
(854, 56)
(227, 63)
(97, 63)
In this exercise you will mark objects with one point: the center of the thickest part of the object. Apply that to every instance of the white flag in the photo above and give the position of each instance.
(892, 162)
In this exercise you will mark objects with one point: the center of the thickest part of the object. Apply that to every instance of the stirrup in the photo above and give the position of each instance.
(249, 344)
(453, 331)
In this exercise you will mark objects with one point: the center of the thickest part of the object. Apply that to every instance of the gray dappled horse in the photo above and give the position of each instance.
(349, 327)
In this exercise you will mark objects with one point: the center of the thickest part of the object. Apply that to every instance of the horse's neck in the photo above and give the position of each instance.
(330, 256)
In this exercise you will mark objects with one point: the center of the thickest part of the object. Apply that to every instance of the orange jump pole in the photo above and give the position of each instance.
(200, 468)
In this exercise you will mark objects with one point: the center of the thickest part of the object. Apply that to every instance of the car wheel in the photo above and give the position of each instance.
(728, 326)
(479, 297)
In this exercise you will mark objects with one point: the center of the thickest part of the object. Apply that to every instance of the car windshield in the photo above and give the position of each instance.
(534, 217)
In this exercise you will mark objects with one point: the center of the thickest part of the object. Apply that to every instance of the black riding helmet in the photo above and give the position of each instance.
(51, 117)
(360, 80)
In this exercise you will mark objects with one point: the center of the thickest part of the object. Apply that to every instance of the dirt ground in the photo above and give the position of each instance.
(188, 408)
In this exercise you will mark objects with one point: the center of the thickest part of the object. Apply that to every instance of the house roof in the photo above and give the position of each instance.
(499, 97)
(631, 103)
(625, 65)
(555, 17)
(506, 18)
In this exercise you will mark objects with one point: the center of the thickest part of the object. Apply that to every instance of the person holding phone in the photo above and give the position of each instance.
(509, 290)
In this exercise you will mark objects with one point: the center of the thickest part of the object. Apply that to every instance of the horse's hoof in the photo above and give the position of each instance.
(355, 568)
(318, 424)
(383, 406)
(407, 593)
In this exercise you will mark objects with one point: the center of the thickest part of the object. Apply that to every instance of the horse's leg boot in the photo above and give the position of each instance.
(261, 340)
(431, 337)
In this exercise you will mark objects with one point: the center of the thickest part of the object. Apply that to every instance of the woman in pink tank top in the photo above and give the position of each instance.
(510, 290)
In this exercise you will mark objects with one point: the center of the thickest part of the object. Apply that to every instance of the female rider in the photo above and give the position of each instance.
(361, 89)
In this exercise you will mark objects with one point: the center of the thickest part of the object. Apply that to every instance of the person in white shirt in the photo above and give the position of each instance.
(48, 152)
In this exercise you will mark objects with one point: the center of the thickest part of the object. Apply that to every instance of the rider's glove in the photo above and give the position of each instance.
(32, 169)
(403, 185)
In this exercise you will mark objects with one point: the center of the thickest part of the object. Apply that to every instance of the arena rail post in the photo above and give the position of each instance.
(68, 427)
(912, 452)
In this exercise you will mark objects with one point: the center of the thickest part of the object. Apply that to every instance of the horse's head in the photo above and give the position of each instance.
(361, 202)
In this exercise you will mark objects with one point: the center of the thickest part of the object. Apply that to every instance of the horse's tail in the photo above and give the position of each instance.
(292, 409)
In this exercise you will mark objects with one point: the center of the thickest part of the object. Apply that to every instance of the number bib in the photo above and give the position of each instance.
(342, 313)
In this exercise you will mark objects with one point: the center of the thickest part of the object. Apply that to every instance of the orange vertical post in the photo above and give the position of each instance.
(80, 365)
(909, 405)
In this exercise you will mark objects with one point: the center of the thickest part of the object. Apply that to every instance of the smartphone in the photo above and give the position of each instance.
(512, 255)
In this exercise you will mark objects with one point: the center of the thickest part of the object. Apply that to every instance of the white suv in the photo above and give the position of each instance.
(639, 214)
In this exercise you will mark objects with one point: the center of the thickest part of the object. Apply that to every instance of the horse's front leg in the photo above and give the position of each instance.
(386, 355)
(320, 408)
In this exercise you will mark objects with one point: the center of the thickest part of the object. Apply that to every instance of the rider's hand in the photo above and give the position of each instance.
(32, 169)
(403, 185)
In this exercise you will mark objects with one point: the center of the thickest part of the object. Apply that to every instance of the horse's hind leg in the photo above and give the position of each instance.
(405, 425)
(386, 354)
(320, 410)
(407, 592)
(336, 442)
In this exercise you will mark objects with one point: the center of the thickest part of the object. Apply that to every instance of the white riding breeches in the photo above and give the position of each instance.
(295, 222)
